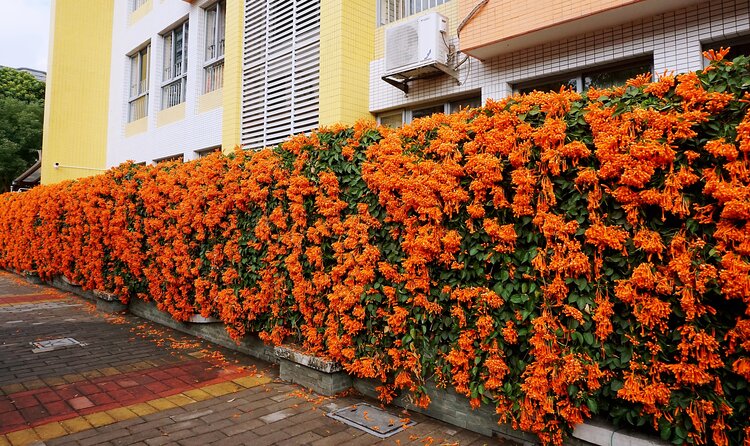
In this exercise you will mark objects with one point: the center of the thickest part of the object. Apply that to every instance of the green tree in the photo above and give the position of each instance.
(20, 85)
(21, 117)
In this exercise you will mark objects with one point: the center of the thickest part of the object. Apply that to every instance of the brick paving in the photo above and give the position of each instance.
(129, 381)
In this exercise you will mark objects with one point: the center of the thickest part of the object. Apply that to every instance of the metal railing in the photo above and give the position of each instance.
(213, 77)
(215, 51)
(393, 10)
(135, 4)
(138, 108)
(172, 71)
(173, 93)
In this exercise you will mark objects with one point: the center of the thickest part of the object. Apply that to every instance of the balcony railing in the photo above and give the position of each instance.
(215, 51)
(393, 10)
(138, 108)
(135, 4)
(213, 77)
(173, 93)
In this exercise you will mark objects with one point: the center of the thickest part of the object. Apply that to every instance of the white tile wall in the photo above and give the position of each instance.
(674, 39)
(198, 130)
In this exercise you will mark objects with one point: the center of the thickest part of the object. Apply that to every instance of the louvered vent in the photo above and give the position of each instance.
(280, 79)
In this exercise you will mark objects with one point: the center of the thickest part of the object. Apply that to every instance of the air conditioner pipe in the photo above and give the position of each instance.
(58, 165)
(463, 24)
(470, 16)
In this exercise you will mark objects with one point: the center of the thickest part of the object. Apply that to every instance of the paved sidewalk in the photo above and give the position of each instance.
(121, 380)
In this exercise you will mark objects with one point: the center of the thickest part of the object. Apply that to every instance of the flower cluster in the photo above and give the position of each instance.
(551, 254)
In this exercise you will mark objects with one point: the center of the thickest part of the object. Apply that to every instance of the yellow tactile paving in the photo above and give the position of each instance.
(252, 381)
(75, 425)
(97, 419)
(50, 430)
(198, 394)
(142, 409)
(22, 438)
(122, 413)
(161, 404)
(180, 399)
(222, 389)
(109, 371)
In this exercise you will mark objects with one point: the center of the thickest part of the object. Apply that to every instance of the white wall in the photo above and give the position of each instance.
(674, 40)
(196, 131)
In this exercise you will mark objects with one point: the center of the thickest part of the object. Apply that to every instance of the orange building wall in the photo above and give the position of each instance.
(502, 19)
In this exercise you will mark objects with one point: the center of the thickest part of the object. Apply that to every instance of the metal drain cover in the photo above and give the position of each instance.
(371, 419)
(54, 344)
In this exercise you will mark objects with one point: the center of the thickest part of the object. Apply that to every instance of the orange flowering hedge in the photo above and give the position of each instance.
(554, 255)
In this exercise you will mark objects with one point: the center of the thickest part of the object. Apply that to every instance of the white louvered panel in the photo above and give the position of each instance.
(281, 74)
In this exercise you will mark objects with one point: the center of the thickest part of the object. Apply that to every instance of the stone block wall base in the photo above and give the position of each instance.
(33, 279)
(60, 284)
(111, 306)
(324, 383)
(216, 333)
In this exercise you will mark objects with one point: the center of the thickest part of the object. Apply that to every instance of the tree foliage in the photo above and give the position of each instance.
(21, 119)
(20, 85)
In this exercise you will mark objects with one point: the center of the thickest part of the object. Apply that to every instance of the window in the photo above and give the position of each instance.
(601, 77)
(135, 4)
(139, 71)
(472, 102)
(205, 152)
(737, 47)
(174, 77)
(393, 120)
(392, 10)
(169, 159)
(214, 51)
(398, 118)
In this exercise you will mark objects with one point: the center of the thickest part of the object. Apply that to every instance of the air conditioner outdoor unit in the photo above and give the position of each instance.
(416, 47)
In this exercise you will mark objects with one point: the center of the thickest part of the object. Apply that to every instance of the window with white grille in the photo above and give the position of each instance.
(174, 76)
(138, 95)
(135, 4)
(392, 10)
(281, 69)
(213, 66)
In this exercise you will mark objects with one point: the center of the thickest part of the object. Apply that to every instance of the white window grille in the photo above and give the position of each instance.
(392, 10)
(174, 76)
(135, 4)
(281, 70)
(213, 66)
(139, 72)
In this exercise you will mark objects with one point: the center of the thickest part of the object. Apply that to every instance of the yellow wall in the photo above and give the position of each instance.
(232, 90)
(76, 105)
(347, 33)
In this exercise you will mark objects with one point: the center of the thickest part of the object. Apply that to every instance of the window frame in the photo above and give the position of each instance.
(726, 43)
(580, 74)
(180, 79)
(213, 59)
(448, 105)
(142, 86)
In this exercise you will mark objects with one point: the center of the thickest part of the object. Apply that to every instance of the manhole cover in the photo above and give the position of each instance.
(371, 419)
(54, 344)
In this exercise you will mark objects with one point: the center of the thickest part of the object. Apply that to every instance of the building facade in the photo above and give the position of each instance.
(519, 46)
(149, 80)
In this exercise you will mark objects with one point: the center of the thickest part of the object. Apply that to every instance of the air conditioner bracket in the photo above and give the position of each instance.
(401, 79)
